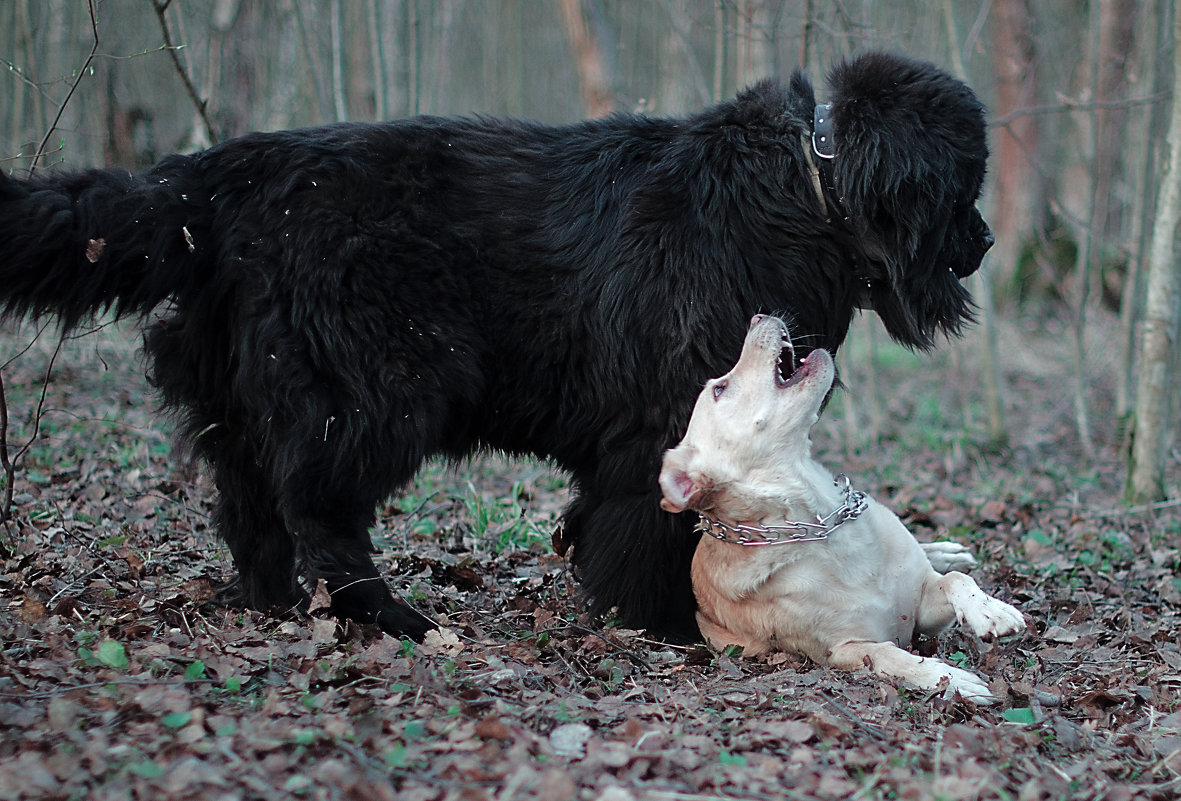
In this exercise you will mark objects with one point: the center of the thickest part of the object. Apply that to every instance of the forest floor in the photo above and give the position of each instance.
(121, 678)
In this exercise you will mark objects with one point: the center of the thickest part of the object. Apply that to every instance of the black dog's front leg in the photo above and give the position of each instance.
(360, 593)
(633, 557)
(332, 540)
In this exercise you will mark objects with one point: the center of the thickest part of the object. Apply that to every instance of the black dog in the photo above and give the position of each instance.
(338, 303)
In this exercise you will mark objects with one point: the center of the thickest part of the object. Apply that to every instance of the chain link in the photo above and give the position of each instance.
(853, 505)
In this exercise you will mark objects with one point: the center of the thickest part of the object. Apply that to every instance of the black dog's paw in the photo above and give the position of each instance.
(370, 601)
(400, 620)
(230, 593)
(686, 633)
(238, 593)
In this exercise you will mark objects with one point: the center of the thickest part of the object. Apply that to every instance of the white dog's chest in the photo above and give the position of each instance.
(865, 581)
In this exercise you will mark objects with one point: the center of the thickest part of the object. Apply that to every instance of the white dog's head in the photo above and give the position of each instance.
(749, 433)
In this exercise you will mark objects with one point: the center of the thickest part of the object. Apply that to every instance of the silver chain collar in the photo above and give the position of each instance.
(852, 506)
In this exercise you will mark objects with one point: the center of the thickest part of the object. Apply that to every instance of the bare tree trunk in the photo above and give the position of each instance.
(1112, 23)
(806, 36)
(679, 92)
(741, 40)
(994, 391)
(597, 97)
(281, 102)
(313, 56)
(871, 388)
(22, 50)
(1013, 63)
(1116, 40)
(1130, 305)
(338, 96)
(514, 18)
(412, 48)
(1154, 120)
(1087, 234)
(377, 55)
(854, 430)
(445, 17)
(982, 288)
(1159, 337)
(756, 40)
(719, 48)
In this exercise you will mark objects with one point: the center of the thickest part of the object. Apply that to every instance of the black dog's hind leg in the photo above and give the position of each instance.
(262, 548)
(312, 527)
(190, 363)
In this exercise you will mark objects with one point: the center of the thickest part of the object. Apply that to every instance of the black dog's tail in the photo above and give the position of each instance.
(77, 244)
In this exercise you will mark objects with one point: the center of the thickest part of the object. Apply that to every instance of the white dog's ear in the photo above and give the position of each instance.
(682, 489)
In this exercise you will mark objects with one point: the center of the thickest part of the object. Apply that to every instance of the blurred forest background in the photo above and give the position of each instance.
(120, 678)
(1079, 97)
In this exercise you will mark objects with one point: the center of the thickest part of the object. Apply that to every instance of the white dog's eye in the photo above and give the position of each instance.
(719, 388)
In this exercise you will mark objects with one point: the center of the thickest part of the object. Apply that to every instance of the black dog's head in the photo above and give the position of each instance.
(910, 160)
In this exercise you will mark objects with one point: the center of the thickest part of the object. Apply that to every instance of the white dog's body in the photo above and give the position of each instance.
(851, 595)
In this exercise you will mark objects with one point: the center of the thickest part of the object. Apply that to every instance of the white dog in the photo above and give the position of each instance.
(799, 561)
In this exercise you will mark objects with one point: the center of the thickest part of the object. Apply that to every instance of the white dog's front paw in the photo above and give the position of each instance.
(970, 687)
(947, 556)
(938, 676)
(989, 617)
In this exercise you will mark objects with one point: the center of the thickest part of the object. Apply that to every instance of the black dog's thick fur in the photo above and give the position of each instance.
(334, 304)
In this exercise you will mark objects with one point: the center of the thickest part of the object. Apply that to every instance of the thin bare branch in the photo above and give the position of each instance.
(160, 7)
(20, 76)
(73, 87)
(8, 461)
(1070, 105)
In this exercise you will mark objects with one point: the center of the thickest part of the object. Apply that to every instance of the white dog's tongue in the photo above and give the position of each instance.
(804, 368)
(797, 374)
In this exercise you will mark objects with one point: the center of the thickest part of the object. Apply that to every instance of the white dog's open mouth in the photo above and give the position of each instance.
(801, 371)
(790, 368)
(788, 371)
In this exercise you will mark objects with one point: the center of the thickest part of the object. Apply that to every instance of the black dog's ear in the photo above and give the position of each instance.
(910, 161)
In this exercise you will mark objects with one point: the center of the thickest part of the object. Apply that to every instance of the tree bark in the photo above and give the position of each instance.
(1013, 64)
(594, 83)
(1159, 334)
(1087, 232)
(982, 287)
(756, 40)
(377, 61)
(1157, 30)
(339, 104)
(719, 49)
